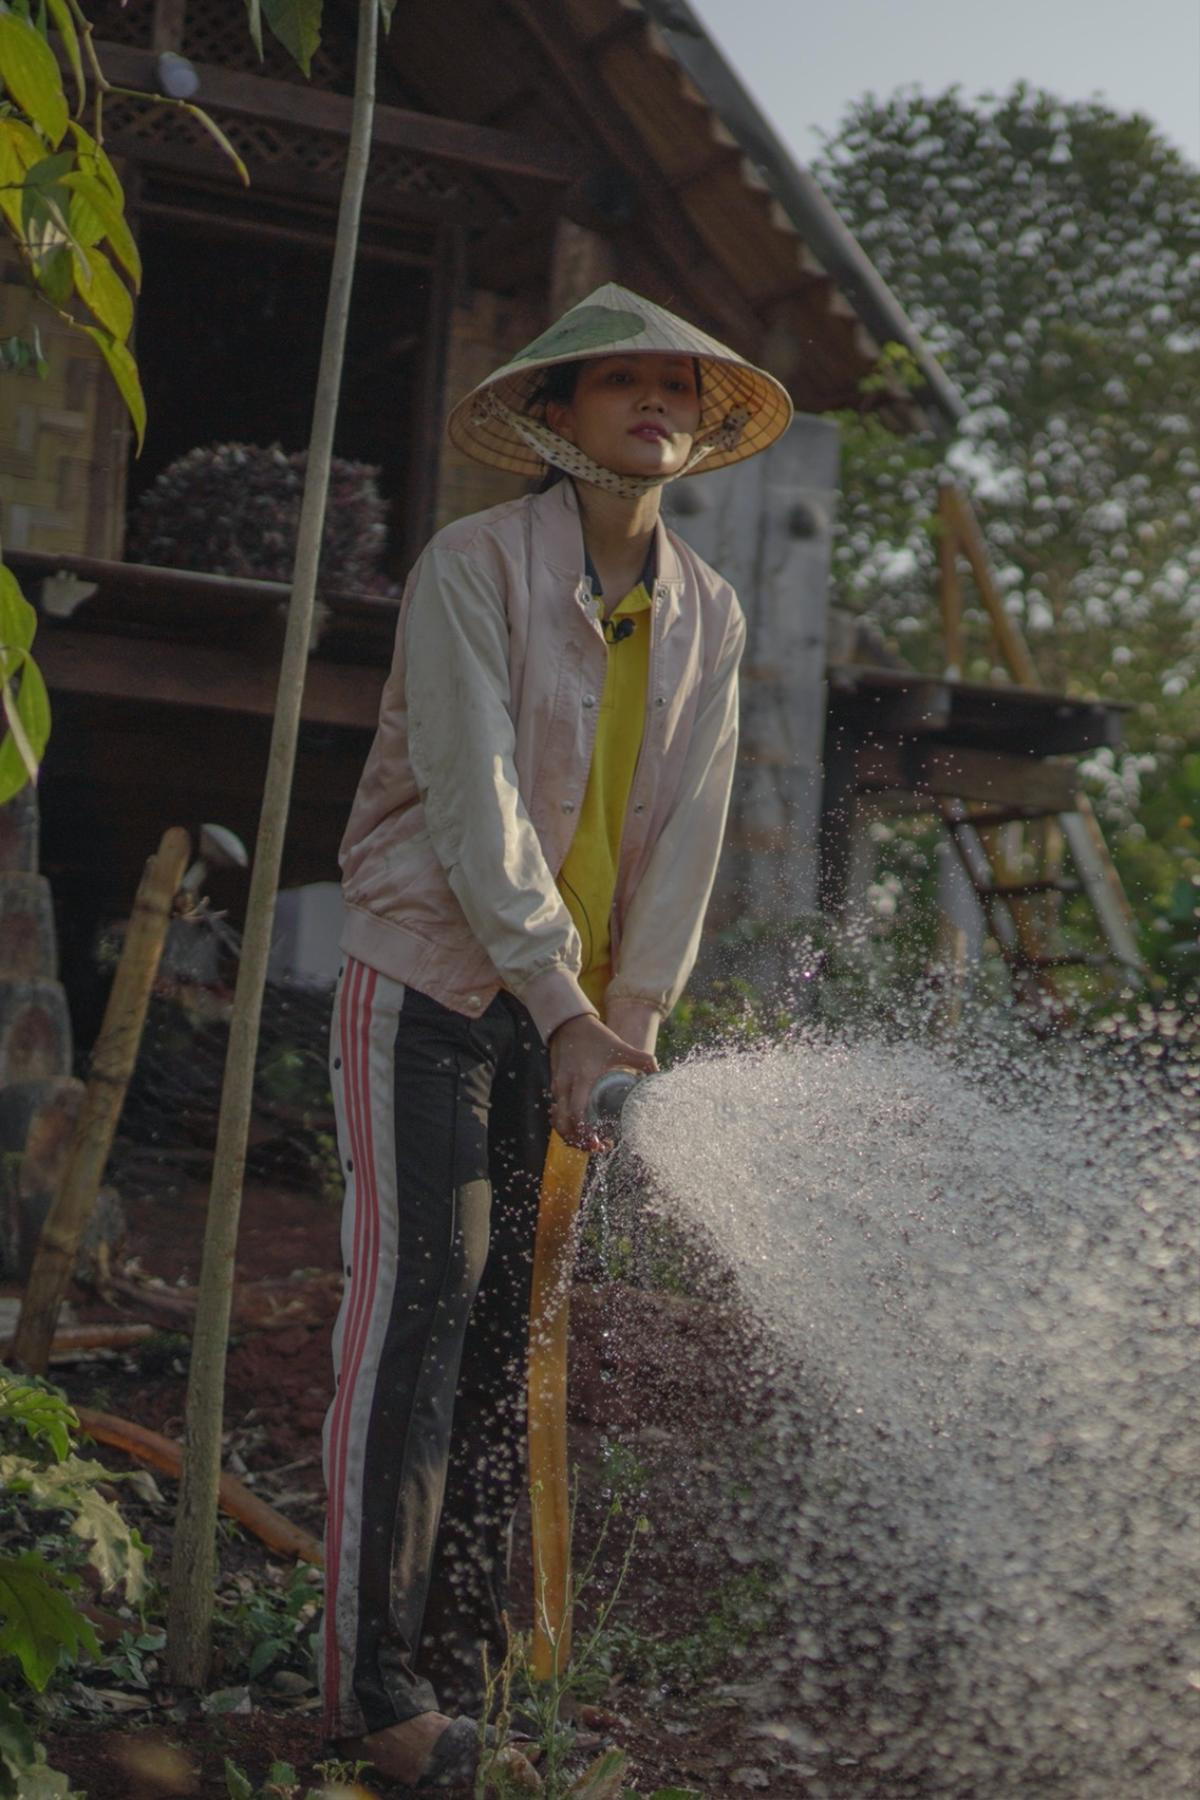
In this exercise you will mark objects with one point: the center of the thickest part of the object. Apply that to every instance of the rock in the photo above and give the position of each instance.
(35, 1031)
(28, 949)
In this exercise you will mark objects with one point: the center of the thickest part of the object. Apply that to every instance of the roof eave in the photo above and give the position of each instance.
(825, 233)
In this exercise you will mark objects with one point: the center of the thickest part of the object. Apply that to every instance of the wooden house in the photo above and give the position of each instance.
(525, 151)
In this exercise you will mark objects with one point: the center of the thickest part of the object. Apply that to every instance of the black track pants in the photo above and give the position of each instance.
(443, 1123)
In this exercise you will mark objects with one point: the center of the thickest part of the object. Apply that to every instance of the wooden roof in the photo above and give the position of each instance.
(497, 117)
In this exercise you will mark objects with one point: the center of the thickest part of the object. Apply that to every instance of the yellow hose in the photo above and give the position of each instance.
(553, 1260)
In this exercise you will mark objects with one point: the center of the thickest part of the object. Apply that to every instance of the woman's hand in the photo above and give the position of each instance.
(581, 1050)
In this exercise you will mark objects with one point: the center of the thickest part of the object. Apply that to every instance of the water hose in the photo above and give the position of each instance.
(549, 1311)
(162, 1453)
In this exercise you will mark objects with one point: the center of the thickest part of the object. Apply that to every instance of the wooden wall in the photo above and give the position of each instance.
(485, 330)
(64, 441)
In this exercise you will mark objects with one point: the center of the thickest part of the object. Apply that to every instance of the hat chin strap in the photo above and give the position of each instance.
(564, 455)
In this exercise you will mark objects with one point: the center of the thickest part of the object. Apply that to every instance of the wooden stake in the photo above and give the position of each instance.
(950, 587)
(193, 1567)
(112, 1064)
(1015, 651)
(549, 1490)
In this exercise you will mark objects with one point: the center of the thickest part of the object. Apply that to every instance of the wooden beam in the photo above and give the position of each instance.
(709, 287)
(202, 159)
(996, 778)
(225, 224)
(167, 29)
(290, 103)
(147, 670)
(630, 24)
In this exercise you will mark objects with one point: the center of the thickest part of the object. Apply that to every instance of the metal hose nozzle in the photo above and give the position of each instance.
(608, 1100)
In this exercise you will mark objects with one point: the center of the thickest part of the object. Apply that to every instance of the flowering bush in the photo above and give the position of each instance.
(234, 509)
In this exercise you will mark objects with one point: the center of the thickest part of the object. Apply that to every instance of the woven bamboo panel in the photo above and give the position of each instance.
(137, 130)
(215, 31)
(64, 441)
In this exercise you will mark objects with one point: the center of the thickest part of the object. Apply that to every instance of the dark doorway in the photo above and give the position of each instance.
(228, 343)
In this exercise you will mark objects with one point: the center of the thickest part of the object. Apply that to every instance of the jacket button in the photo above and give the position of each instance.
(589, 699)
(661, 700)
(473, 1000)
(640, 807)
(568, 806)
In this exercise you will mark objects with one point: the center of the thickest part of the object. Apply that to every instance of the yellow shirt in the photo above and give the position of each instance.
(588, 878)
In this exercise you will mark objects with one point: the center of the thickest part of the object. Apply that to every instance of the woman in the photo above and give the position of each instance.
(526, 869)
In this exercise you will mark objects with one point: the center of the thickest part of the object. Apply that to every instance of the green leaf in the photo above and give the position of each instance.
(281, 1775)
(30, 73)
(254, 19)
(70, 1486)
(96, 192)
(297, 25)
(17, 1747)
(38, 1622)
(55, 273)
(64, 24)
(93, 160)
(19, 356)
(20, 149)
(43, 1415)
(18, 623)
(27, 712)
(104, 293)
(236, 1784)
(264, 1653)
(214, 130)
(386, 9)
(125, 374)
(676, 1793)
(602, 1780)
(40, 1782)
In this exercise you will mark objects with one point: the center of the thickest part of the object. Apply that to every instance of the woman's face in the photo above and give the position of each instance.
(635, 415)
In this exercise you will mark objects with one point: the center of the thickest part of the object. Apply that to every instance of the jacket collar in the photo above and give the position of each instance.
(558, 528)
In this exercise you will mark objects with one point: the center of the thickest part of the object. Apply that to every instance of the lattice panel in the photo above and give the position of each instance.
(137, 129)
(129, 24)
(214, 31)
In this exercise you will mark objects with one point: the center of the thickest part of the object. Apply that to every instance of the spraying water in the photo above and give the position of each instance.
(976, 1275)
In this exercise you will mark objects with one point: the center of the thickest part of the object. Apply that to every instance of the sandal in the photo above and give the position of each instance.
(454, 1762)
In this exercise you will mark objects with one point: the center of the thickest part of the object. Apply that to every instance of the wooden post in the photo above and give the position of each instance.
(580, 262)
(1013, 647)
(194, 1558)
(429, 422)
(549, 1489)
(950, 587)
(166, 31)
(112, 1064)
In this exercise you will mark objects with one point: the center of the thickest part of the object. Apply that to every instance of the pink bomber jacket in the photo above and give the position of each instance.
(471, 791)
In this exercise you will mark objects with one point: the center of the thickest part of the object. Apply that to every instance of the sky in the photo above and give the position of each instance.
(805, 60)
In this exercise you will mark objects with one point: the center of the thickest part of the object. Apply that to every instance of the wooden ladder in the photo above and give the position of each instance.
(1016, 859)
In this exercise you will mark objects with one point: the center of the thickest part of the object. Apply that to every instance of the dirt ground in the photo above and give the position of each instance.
(660, 1413)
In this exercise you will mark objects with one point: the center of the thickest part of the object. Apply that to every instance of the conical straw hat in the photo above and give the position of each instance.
(743, 409)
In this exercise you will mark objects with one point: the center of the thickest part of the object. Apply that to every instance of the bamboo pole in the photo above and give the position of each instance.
(193, 1568)
(112, 1064)
(1013, 648)
(549, 1492)
(950, 586)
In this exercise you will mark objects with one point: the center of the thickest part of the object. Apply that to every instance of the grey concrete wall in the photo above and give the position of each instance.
(767, 526)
